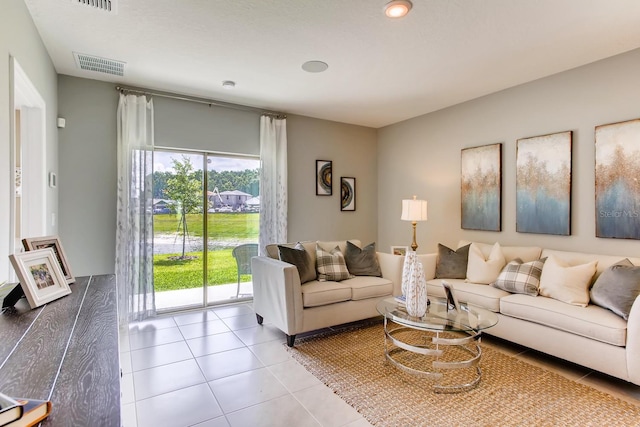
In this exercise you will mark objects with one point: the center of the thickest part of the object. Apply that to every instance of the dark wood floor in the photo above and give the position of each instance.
(66, 351)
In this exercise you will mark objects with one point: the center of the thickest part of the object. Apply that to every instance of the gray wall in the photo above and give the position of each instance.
(20, 39)
(87, 178)
(422, 155)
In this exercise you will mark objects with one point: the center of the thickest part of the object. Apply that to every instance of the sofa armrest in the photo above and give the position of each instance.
(391, 267)
(429, 265)
(277, 293)
(633, 342)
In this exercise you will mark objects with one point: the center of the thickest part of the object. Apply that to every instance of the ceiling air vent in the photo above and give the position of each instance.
(99, 65)
(104, 5)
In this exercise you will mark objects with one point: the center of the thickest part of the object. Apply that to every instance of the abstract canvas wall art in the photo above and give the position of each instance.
(481, 187)
(617, 175)
(543, 184)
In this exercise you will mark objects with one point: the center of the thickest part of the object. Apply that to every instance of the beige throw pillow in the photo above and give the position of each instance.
(481, 270)
(567, 283)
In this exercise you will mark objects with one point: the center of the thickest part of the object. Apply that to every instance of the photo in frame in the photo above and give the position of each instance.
(399, 250)
(53, 242)
(324, 186)
(347, 194)
(452, 301)
(40, 276)
(481, 187)
(543, 184)
(617, 190)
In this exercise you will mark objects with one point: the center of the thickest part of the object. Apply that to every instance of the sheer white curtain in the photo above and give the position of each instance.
(273, 181)
(134, 234)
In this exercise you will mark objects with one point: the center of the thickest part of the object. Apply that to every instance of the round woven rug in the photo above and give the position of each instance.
(511, 393)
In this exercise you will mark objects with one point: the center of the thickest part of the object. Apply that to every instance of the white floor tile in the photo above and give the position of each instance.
(127, 393)
(241, 322)
(160, 355)
(216, 422)
(220, 365)
(294, 376)
(166, 378)
(246, 389)
(153, 337)
(214, 344)
(270, 353)
(180, 408)
(195, 317)
(260, 334)
(125, 362)
(151, 324)
(283, 411)
(128, 415)
(326, 406)
(196, 330)
(232, 310)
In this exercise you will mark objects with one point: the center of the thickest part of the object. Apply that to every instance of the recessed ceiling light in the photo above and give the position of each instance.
(228, 84)
(397, 8)
(315, 66)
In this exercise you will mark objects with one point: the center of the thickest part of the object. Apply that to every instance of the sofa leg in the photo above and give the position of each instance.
(290, 340)
(259, 318)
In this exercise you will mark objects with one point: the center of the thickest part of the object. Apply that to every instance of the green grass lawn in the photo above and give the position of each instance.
(169, 275)
(221, 225)
(177, 274)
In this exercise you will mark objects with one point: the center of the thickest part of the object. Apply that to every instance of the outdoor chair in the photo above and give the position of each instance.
(243, 255)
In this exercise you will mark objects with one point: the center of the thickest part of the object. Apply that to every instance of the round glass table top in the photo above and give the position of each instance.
(438, 317)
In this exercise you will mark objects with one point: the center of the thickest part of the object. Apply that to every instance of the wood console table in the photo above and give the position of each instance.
(66, 351)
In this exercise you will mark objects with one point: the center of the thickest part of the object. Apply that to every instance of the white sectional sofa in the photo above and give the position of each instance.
(591, 336)
(294, 308)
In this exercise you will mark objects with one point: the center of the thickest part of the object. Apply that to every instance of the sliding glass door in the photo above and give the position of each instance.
(203, 239)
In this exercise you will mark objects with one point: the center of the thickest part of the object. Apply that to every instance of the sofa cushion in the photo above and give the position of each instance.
(482, 269)
(617, 288)
(331, 265)
(452, 264)
(565, 282)
(317, 293)
(299, 257)
(364, 287)
(592, 321)
(520, 278)
(525, 253)
(362, 262)
(473, 293)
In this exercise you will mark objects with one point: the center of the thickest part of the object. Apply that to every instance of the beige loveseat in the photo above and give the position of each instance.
(294, 308)
(591, 336)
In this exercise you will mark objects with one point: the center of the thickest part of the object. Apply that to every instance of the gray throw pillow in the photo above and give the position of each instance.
(617, 288)
(299, 257)
(520, 278)
(452, 264)
(362, 262)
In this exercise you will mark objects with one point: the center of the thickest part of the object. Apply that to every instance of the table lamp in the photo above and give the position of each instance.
(414, 210)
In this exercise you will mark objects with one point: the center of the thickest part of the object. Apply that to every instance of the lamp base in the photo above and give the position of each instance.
(414, 245)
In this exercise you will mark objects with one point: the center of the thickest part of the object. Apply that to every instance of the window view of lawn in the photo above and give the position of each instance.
(225, 231)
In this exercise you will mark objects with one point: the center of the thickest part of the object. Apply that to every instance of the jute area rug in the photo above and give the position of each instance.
(511, 393)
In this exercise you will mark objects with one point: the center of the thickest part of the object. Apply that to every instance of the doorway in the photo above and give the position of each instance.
(205, 206)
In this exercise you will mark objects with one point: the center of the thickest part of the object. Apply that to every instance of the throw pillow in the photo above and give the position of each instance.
(299, 257)
(331, 265)
(520, 278)
(362, 262)
(617, 288)
(481, 270)
(565, 282)
(452, 264)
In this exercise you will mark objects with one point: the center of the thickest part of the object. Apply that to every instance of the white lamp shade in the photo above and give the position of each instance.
(414, 210)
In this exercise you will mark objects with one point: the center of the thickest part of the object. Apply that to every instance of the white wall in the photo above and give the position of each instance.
(20, 39)
(422, 155)
(87, 178)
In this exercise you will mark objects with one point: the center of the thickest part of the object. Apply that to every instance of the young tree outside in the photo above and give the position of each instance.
(186, 191)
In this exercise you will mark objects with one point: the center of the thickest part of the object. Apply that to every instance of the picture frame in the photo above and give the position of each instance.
(399, 250)
(617, 194)
(40, 276)
(347, 193)
(452, 301)
(481, 187)
(324, 170)
(34, 243)
(543, 184)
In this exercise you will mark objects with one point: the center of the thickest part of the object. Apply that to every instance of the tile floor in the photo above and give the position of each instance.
(217, 368)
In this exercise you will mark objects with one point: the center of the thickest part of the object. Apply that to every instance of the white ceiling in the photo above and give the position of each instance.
(381, 71)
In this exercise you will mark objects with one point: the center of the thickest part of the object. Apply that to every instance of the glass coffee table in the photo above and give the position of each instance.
(443, 345)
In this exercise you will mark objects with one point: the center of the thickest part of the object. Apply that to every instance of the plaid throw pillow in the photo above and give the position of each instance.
(331, 265)
(520, 278)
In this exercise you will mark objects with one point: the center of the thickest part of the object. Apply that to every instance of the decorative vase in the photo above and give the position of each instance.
(414, 285)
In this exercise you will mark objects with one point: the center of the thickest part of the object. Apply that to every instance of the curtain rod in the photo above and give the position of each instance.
(209, 102)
